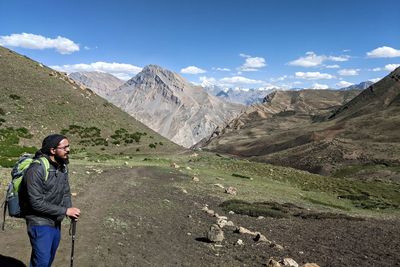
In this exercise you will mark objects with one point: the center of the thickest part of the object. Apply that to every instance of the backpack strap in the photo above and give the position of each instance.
(46, 165)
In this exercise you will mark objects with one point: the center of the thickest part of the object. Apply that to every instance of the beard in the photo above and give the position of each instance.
(61, 161)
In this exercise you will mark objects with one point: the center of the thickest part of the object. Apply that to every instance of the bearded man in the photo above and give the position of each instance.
(45, 198)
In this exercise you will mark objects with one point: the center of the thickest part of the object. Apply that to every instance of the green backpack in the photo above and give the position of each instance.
(17, 173)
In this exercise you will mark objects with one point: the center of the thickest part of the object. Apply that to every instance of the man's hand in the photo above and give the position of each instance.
(73, 213)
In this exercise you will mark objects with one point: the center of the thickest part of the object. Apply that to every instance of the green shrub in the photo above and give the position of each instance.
(15, 97)
(152, 145)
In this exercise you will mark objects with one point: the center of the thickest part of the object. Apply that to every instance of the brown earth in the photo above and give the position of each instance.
(142, 217)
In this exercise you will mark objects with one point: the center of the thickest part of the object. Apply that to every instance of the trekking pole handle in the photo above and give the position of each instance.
(73, 227)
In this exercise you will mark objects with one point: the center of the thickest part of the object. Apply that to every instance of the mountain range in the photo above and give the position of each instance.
(317, 132)
(173, 107)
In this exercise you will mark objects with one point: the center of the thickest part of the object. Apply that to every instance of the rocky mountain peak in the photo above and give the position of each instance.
(157, 74)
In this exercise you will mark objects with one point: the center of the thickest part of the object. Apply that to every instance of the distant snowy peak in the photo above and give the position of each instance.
(243, 96)
(360, 86)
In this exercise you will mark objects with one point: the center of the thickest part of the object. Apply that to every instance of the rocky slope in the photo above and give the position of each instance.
(173, 107)
(99, 82)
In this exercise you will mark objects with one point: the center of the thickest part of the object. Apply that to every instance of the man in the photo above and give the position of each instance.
(45, 202)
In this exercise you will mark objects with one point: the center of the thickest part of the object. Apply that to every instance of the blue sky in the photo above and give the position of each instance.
(237, 43)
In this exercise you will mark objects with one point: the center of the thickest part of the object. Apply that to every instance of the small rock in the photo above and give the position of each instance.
(184, 191)
(211, 212)
(126, 163)
(174, 165)
(219, 185)
(310, 265)
(243, 230)
(289, 262)
(190, 216)
(261, 238)
(188, 168)
(215, 234)
(222, 217)
(74, 194)
(231, 212)
(277, 246)
(231, 190)
(230, 224)
(221, 222)
(239, 242)
(301, 252)
(195, 179)
(273, 263)
(87, 172)
(189, 234)
(260, 217)
(194, 155)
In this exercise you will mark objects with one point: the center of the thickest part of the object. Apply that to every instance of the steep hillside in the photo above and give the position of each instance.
(173, 107)
(36, 100)
(100, 82)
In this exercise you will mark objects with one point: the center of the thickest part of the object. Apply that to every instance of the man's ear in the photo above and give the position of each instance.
(52, 151)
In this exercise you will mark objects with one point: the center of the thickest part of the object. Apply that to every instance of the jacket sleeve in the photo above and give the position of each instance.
(36, 195)
(67, 195)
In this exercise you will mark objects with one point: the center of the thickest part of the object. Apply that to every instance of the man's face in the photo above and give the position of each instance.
(62, 150)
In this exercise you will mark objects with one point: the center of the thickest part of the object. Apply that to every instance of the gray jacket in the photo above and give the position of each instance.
(45, 202)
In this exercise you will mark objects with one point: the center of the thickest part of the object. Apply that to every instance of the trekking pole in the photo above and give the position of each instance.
(72, 231)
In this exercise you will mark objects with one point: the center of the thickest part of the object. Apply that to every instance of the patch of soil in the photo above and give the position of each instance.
(139, 217)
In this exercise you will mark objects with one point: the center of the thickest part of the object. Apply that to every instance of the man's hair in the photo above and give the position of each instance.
(51, 141)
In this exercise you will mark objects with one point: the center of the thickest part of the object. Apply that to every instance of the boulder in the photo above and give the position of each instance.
(215, 234)
(310, 265)
(231, 190)
(289, 262)
(273, 263)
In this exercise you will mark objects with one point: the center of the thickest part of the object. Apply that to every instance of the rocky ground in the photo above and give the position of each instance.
(142, 216)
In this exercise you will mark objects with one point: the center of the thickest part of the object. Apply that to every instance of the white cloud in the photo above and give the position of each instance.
(348, 72)
(34, 41)
(192, 70)
(342, 84)
(319, 86)
(375, 80)
(207, 81)
(339, 58)
(335, 66)
(391, 67)
(222, 69)
(314, 75)
(279, 79)
(384, 51)
(120, 70)
(251, 63)
(238, 80)
(244, 55)
(376, 69)
(312, 60)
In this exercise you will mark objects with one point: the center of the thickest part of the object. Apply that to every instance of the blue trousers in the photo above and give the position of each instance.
(44, 240)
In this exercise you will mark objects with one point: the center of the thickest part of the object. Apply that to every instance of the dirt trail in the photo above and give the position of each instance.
(137, 217)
